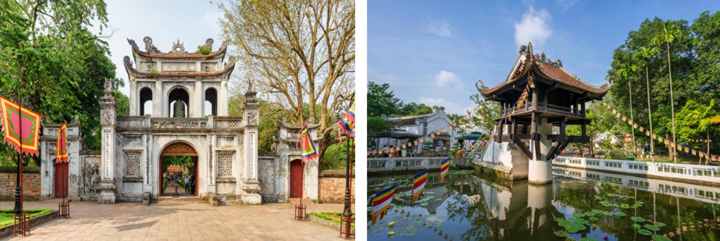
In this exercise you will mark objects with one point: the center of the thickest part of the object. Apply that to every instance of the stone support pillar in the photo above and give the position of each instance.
(251, 186)
(159, 101)
(222, 104)
(196, 101)
(107, 163)
(133, 98)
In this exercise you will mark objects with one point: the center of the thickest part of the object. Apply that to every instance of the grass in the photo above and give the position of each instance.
(333, 217)
(7, 217)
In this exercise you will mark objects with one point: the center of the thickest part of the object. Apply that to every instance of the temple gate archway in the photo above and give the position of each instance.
(178, 170)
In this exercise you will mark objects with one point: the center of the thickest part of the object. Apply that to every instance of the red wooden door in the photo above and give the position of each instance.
(61, 180)
(296, 179)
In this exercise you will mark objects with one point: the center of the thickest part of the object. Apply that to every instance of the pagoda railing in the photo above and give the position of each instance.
(558, 109)
(163, 123)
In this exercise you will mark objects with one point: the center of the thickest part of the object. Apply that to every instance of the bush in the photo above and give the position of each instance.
(335, 155)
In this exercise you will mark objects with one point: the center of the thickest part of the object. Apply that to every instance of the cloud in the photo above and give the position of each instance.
(533, 27)
(566, 4)
(445, 78)
(440, 29)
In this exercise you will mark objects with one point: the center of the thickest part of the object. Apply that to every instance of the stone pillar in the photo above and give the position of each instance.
(197, 101)
(107, 163)
(158, 101)
(539, 202)
(134, 100)
(222, 99)
(539, 170)
(251, 185)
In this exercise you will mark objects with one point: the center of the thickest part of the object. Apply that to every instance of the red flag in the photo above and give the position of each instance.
(21, 128)
(61, 152)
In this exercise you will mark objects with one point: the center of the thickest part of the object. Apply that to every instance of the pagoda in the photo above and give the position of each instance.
(538, 100)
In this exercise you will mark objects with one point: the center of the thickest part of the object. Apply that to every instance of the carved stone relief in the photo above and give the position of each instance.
(133, 163)
(90, 177)
(224, 163)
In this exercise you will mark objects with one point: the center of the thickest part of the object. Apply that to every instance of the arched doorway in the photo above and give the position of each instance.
(178, 103)
(297, 168)
(146, 101)
(178, 170)
(211, 102)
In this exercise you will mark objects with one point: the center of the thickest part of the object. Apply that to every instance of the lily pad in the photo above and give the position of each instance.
(660, 238)
(645, 232)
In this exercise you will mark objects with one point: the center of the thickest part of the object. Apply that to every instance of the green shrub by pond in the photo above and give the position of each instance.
(7, 216)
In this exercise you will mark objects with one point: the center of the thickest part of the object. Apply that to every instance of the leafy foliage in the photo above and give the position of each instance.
(51, 60)
(484, 113)
(271, 115)
(693, 50)
(336, 155)
(383, 102)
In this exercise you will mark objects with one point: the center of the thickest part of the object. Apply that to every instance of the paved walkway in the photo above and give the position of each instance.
(178, 220)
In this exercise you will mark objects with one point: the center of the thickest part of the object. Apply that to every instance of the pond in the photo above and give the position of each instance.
(579, 204)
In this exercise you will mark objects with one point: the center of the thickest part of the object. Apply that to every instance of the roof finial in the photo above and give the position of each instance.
(529, 51)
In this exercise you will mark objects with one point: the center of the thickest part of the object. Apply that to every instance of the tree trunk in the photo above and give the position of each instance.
(672, 106)
(652, 142)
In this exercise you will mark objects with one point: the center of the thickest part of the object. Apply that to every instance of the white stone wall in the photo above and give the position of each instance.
(47, 158)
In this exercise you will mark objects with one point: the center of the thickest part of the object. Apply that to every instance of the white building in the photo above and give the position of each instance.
(407, 129)
(179, 140)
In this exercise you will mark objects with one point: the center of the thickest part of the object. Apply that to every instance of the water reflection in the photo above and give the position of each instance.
(469, 206)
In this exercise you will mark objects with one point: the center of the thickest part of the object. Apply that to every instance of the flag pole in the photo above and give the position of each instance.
(347, 213)
(18, 178)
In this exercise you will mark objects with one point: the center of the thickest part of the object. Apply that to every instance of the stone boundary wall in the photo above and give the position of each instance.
(31, 186)
(332, 186)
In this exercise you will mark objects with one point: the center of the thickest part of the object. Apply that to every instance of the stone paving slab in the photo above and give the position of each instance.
(178, 220)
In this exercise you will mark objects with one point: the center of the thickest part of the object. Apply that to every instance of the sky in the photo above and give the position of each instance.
(165, 21)
(433, 52)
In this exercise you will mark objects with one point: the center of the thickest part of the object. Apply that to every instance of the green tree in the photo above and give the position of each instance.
(271, 114)
(413, 108)
(53, 63)
(667, 49)
(377, 126)
(381, 101)
(484, 113)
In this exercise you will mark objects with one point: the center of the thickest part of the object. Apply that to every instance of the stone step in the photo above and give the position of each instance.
(179, 198)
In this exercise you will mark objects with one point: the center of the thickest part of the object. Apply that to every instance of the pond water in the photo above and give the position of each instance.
(589, 205)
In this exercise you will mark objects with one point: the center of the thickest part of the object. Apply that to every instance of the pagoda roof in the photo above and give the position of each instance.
(178, 52)
(537, 64)
(223, 73)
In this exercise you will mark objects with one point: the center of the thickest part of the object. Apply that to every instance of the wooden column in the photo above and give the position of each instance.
(535, 97)
(545, 98)
(534, 140)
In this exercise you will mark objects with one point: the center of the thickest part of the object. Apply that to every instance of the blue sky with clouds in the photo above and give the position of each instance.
(434, 51)
(165, 21)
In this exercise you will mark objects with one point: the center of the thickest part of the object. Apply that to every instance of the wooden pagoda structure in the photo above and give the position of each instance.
(539, 99)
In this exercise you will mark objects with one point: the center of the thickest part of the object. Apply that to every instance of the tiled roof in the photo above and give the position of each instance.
(551, 70)
(223, 73)
(177, 55)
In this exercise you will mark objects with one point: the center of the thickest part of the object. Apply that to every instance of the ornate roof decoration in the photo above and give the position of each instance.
(223, 73)
(149, 47)
(178, 47)
(552, 70)
(178, 50)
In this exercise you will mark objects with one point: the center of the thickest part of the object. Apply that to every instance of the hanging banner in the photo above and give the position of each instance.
(309, 152)
(347, 123)
(21, 128)
(61, 152)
